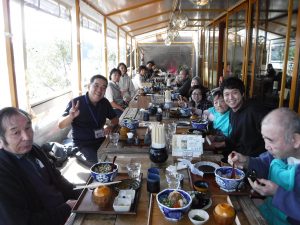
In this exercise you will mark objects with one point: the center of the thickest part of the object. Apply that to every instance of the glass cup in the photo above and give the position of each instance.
(134, 170)
(174, 179)
(114, 138)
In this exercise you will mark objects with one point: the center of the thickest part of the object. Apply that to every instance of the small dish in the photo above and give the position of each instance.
(207, 167)
(129, 193)
(201, 186)
(127, 184)
(198, 216)
(122, 204)
(200, 200)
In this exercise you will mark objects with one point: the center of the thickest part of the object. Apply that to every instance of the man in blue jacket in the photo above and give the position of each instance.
(278, 169)
(32, 191)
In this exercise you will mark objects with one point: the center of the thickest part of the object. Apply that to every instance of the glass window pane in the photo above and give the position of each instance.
(48, 54)
(91, 49)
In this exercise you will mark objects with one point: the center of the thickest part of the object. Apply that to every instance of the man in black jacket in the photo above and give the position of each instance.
(245, 120)
(32, 191)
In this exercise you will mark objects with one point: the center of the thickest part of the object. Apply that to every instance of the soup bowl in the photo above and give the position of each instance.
(173, 213)
(223, 174)
(101, 172)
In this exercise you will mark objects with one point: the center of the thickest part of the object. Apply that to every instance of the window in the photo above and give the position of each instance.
(122, 46)
(45, 59)
(111, 46)
(91, 48)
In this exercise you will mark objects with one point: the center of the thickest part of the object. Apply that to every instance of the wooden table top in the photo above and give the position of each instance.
(247, 213)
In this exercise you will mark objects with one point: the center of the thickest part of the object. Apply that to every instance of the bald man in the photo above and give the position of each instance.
(278, 169)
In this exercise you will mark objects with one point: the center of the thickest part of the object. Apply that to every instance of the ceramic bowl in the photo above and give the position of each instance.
(173, 214)
(224, 214)
(199, 125)
(102, 196)
(185, 112)
(198, 216)
(131, 124)
(222, 175)
(104, 176)
(201, 186)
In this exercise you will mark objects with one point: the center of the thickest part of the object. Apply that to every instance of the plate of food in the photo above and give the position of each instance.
(200, 200)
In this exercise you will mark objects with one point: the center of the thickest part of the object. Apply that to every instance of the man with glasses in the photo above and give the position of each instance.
(87, 115)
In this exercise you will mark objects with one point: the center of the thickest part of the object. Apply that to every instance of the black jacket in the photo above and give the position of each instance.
(246, 137)
(19, 202)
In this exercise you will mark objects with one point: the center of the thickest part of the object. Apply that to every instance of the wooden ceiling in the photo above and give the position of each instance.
(138, 17)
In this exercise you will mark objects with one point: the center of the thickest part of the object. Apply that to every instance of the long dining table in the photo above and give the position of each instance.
(147, 212)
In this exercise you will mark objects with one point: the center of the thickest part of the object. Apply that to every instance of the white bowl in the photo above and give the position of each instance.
(122, 204)
(200, 212)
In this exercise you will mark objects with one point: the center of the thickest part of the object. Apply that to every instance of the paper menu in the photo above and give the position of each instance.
(187, 142)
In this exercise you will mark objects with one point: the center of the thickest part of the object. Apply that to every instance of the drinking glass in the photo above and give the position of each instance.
(173, 179)
(114, 138)
(134, 170)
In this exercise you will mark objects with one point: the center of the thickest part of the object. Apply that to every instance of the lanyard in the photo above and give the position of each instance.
(91, 111)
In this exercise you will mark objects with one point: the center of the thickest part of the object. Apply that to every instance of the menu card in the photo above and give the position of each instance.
(191, 142)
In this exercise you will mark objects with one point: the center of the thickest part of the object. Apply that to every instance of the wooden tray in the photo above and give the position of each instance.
(214, 187)
(155, 216)
(85, 203)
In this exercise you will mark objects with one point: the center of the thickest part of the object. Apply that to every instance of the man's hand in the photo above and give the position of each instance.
(263, 187)
(240, 161)
(107, 130)
(74, 111)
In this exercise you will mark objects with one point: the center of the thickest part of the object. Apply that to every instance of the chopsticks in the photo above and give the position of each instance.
(96, 184)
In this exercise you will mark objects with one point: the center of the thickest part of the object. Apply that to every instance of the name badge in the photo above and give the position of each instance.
(99, 133)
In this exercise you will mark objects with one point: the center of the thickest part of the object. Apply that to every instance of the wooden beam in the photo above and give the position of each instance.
(153, 24)
(200, 19)
(286, 53)
(78, 48)
(296, 63)
(151, 30)
(9, 54)
(132, 7)
(203, 10)
(145, 18)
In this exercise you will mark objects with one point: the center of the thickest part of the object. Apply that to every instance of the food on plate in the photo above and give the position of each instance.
(198, 218)
(102, 168)
(174, 200)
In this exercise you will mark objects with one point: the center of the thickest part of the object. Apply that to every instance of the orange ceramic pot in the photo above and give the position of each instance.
(224, 214)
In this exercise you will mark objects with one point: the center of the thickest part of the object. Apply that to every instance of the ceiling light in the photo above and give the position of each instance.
(200, 2)
(179, 20)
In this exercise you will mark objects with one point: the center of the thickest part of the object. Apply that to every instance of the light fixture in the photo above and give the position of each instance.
(179, 20)
(168, 42)
(200, 2)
